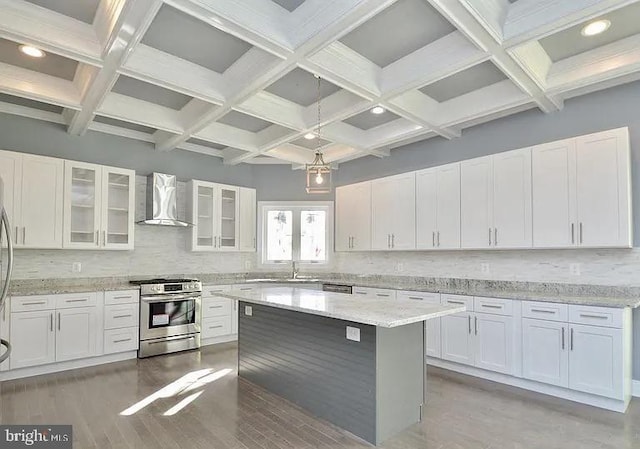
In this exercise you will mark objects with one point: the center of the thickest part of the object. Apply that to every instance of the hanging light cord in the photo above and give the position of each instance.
(318, 128)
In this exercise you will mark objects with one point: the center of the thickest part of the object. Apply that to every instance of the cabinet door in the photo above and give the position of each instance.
(427, 208)
(433, 343)
(353, 217)
(118, 208)
(10, 174)
(203, 208)
(82, 205)
(595, 360)
(382, 197)
(448, 206)
(553, 194)
(32, 338)
(457, 339)
(247, 219)
(545, 352)
(475, 203)
(41, 202)
(602, 189)
(228, 213)
(512, 199)
(493, 342)
(76, 333)
(393, 212)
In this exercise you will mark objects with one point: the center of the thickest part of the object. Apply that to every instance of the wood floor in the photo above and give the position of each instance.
(231, 413)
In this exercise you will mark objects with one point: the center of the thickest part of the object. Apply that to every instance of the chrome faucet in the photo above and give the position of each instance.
(294, 270)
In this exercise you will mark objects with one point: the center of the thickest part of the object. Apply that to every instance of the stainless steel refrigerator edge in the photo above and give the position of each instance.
(5, 347)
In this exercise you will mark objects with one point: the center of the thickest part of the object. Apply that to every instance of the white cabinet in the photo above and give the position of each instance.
(544, 351)
(214, 209)
(596, 360)
(496, 201)
(121, 321)
(432, 326)
(76, 336)
(353, 217)
(457, 338)
(581, 191)
(247, 223)
(493, 336)
(374, 293)
(11, 175)
(438, 207)
(99, 207)
(393, 209)
(5, 323)
(32, 338)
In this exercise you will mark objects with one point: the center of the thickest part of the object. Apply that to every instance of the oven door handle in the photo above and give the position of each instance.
(169, 298)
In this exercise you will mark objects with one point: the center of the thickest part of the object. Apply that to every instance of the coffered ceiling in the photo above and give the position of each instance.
(237, 80)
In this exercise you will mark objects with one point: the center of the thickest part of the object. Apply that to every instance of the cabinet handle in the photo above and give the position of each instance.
(588, 315)
(211, 292)
(495, 236)
(415, 297)
(450, 301)
(76, 300)
(384, 295)
(573, 240)
(489, 236)
(122, 316)
(122, 340)
(388, 240)
(361, 293)
(24, 235)
(254, 243)
(475, 324)
(469, 324)
(571, 340)
(245, 288)
(215, 307)
(543, 311)
(438, 238)
(59, 320)
(491, 306)
(34, 303)
(104, 238)
(215, 327)
(393, 240)
(122, 297)
(563, 338)
(433, 238)
(581, 233)
(17, 234)
(51, 321)
(97, 238)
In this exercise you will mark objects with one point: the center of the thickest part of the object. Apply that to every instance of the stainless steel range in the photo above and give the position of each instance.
(169, 315)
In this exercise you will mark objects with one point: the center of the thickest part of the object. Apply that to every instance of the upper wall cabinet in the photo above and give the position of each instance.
(393, 212)
(353, 217)
(438, 207)
(247, 219)
(99, 207)
(33, 193)
(496, 201)
(582, 192)
(215, 211)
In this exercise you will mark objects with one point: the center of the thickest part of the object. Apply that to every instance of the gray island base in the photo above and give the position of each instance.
(294, 343)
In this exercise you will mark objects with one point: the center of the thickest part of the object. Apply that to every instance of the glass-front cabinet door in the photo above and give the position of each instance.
(82, 205)
(118, 205)
(229, 209)
(204, 235)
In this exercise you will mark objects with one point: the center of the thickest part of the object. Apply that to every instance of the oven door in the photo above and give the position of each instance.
(169, 315)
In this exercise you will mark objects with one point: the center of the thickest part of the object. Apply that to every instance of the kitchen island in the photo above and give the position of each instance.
(358, 363)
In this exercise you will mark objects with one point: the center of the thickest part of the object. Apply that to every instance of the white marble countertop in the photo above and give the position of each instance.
(375, 312)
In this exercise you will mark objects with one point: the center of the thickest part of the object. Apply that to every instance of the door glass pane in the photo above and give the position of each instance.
(83, 205)
(118, 209)
(279, 235)
(313, 235)
(228, 219)
(205, 216)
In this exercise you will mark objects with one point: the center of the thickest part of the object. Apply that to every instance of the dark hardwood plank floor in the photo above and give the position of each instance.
(230, 413)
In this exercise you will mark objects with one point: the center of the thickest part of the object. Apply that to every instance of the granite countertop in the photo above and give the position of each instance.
(584, 294)
(375, 312)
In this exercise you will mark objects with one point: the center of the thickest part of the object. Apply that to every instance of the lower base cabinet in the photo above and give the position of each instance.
(545, 352)
(457, 338)
(493, 337)
(32, 338)
(76, 333)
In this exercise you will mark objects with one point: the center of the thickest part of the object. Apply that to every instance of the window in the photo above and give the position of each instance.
(296, 231)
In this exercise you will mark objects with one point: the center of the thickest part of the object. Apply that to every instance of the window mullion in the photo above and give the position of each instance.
(297, 229)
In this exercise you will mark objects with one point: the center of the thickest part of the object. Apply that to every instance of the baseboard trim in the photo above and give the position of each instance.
(218, 340)
(636, 388)
(551, 390)
(64, 366)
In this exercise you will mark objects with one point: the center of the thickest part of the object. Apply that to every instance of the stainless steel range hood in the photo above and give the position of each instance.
(162, 199)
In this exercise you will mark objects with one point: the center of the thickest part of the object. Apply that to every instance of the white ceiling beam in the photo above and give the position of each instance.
(25, 111)
(30, 24)
(274, 109)
(266, 160)
(456, 13)
(122, 107)
(491, 13)
(38, 86)
(354, 137)
(124, 22)
(533, 60)
(292, 153)
(229, 136)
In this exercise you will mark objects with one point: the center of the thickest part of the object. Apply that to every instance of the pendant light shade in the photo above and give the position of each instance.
(318, 172)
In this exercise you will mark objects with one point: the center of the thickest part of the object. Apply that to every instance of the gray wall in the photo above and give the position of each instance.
(50, 139)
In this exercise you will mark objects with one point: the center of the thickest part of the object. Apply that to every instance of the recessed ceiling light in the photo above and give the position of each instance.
(310, 136)
(597, 27)
(32, 51)
(377, 110)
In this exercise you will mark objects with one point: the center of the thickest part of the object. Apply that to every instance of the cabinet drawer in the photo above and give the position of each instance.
(216, 326)
(120, 340)
(76, 300)
(209, 291)
(549, 311)
(431, 298)
(118, 317)
(495, 306)
(379, 293)
(596, 316)
(121, 297)
(244, 287)
(216, 307)
(26, 303)
(458, 300)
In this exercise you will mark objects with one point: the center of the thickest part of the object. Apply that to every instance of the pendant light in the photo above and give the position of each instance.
(318, 172)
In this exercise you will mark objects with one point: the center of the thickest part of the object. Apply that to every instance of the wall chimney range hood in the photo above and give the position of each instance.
(162, 200)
